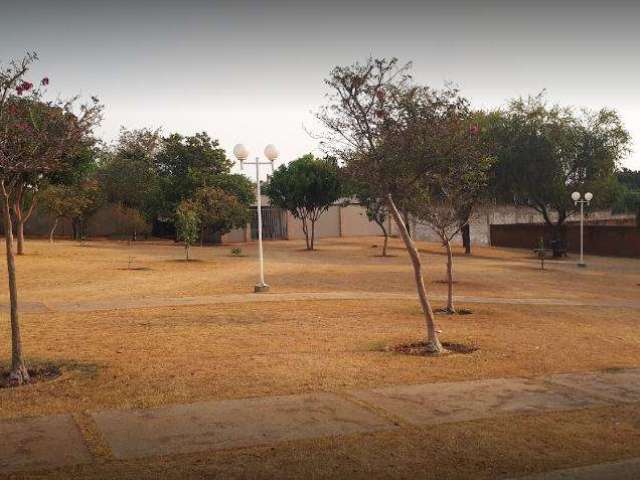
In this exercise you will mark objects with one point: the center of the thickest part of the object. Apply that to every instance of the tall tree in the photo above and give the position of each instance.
(306, 187)
(449, 196)
(547, 152)
(185, 164)
(390, 133)
(31, 146)
(128, 173)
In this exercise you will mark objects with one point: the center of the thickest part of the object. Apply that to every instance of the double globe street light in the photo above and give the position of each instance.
(575, 196)
(242, 153)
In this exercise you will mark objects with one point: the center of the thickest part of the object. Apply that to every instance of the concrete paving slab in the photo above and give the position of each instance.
(625, 470)
(233, 423)
(618, 385)
(41, 444)
(439, 403)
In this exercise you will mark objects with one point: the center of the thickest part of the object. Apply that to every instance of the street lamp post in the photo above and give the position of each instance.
(575, 196)
(242, 153)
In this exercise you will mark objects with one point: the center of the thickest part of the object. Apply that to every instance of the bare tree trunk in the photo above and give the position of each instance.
(53, 229)
(186, 250)
(19, 373)
(313, 233)
(450, 309)
(466, 238)
(305, 229)
(386, 238)
(407, 225)
(433, 344)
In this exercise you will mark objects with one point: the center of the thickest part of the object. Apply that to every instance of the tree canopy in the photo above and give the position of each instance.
(306, 187)
(545, 152)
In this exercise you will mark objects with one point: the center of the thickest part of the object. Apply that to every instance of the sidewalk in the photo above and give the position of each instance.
(49, 442)
(126, 304)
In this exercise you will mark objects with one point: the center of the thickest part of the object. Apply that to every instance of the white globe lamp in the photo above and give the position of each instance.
(241, 152)
(271, 152)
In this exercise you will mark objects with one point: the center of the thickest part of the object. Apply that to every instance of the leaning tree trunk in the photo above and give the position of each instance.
(19, 373)
(433, 343)
(450, 309)
(53, 229)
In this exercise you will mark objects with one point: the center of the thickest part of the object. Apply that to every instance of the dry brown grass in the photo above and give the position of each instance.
(148, 357)
(156, 356)
(97, 270)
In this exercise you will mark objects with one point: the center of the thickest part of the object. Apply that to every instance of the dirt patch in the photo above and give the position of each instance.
(459, 311)
(137, 269)
(419, 348)
(44, 373)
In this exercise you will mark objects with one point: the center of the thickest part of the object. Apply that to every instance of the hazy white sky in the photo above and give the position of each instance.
(252, 71)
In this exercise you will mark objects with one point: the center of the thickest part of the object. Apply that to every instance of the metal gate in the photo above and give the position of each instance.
(274, 223)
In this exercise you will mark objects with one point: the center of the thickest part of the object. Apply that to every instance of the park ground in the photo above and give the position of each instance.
(80, 316)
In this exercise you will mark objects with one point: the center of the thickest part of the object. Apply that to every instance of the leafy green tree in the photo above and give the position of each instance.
(234, 184)
(38, 126)
(220, 211)
(547, 152)
(187, 223)
(75, 202)
(128, 174)
(184, 164)
(628, 193)
(37, 139)
(306, 187)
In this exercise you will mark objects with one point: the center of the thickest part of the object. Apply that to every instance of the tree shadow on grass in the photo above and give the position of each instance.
(43, 370)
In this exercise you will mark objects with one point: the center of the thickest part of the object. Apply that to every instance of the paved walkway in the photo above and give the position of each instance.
(625, 470)
(54, 441)
(126, 304)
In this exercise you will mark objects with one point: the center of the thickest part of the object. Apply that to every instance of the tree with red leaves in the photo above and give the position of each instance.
(36, 139)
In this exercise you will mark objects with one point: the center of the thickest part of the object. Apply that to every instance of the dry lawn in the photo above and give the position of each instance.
(155, 356)
(99, 271)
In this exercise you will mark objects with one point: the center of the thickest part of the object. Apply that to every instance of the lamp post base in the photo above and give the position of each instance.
(582, 264)
(264, 288)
